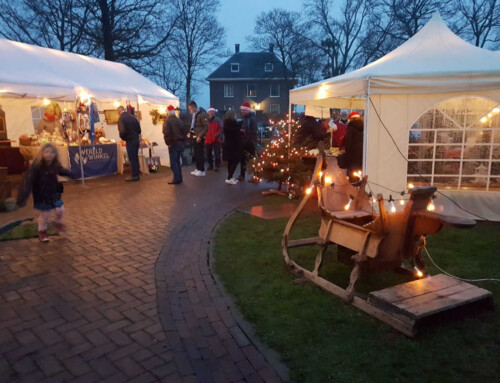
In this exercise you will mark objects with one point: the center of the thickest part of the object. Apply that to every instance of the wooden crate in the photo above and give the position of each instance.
(425, 298)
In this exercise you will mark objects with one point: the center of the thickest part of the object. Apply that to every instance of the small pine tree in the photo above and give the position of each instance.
(281, 164)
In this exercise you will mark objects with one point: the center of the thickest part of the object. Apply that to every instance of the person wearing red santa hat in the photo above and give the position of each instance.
(213, 139)
(352, 159)
(248, 137)
(175, 135)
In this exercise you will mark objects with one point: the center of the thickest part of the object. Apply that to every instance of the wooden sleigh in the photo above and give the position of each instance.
(373, 242)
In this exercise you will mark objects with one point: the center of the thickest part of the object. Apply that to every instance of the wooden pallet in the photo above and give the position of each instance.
(427, 297)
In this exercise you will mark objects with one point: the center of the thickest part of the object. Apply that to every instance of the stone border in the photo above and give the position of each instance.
(271, 356)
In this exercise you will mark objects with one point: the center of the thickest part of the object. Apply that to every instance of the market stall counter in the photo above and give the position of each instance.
(97, 160)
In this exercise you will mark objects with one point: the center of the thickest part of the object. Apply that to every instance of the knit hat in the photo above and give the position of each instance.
(246, 106)
(212, 109)
(354, 115)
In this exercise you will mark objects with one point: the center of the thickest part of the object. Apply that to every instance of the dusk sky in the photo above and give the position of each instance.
(238, 18)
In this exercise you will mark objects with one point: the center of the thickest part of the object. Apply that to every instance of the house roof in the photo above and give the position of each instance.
(252, 66)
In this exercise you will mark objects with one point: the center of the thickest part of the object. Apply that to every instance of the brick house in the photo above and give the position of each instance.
(258, 78)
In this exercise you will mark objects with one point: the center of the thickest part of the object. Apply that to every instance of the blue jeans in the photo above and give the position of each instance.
(133, 156)
(175, 153)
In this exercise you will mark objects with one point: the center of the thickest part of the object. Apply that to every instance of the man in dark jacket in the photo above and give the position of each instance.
(130, 132)
(248, 137)
(199, 129)
(352, 159)
(175, 134)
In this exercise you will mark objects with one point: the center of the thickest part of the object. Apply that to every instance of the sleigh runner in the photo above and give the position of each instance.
(372, 242)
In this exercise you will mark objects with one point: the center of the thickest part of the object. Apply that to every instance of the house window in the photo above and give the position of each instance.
(275, 90)
(228, 90)
(268, 67)
(274, 108)
(228, 107)
(251, 90)
(235, 67)
(456, 145)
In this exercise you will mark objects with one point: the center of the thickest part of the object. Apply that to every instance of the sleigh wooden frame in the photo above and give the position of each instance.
(374, 241)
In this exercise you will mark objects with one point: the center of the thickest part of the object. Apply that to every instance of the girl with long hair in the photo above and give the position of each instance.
(42, 181)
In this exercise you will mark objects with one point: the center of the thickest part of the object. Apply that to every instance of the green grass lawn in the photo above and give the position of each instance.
(321, 339)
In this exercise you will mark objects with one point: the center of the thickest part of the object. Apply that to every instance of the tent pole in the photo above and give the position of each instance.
(79, 144)
(140, 137)
(366, 130)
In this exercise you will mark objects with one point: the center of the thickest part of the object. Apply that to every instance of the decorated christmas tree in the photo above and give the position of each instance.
(282, 163)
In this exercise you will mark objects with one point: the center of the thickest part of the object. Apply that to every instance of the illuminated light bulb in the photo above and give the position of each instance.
(410, 186)
(348, 205)
(374, 200)
(418, 273)
(116, 104)
(490, 115)
(483, 120)
(309, 190)
(321, 174)
(496, 110)
(46, 101)
(393, 207)
(431, 206)
(162, 110)
(402, 202)
(328, 180)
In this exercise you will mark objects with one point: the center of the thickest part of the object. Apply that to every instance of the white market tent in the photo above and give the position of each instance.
(29, 73)
(435, 80)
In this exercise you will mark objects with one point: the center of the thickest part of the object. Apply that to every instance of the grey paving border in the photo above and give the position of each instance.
(269, 354)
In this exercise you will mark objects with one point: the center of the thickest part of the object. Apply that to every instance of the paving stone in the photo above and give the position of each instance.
(129, 295)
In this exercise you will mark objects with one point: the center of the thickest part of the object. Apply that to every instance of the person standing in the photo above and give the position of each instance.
(42, 181)
(175, 136)
(199, 129)
(212, 140)
(339, 134)
(232, 147)
(248, 137)
(130, 132)
(352, 159)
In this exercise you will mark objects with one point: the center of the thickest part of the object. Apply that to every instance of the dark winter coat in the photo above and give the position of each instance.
(200, 124)
(232, 147)
(129, 127)
(311, 132)
(352, 159)
(249, 130)
(41, 180)
(173, 130)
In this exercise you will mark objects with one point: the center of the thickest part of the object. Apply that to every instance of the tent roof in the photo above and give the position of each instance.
(434, 60)
(33, 71)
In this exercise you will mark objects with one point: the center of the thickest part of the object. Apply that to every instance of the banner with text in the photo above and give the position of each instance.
(98, 160)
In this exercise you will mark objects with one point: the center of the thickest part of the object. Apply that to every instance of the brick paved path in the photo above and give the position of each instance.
(129, 295)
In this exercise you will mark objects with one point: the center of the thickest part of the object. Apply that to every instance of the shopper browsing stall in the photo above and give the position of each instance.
(130, 131)
(50, 121)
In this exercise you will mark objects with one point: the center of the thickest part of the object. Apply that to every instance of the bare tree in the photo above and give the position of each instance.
(478, 21)
(409, 16)
(341, 32)
(130, 30)
(197, 39)
(165, 73)
(57, 24)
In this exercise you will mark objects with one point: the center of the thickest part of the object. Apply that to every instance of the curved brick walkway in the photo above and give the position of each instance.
(129, 295)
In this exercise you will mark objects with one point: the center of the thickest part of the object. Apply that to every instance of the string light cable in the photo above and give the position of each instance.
(453, 276)
(420, 174)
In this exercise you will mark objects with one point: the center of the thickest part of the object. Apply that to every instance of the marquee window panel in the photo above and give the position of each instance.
(456, 145)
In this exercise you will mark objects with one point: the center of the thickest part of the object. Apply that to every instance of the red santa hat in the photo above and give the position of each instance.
(212, 109)
(170, 108)
(354, 115)
(246, 106)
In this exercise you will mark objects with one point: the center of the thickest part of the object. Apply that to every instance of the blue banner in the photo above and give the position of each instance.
(98, 160)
